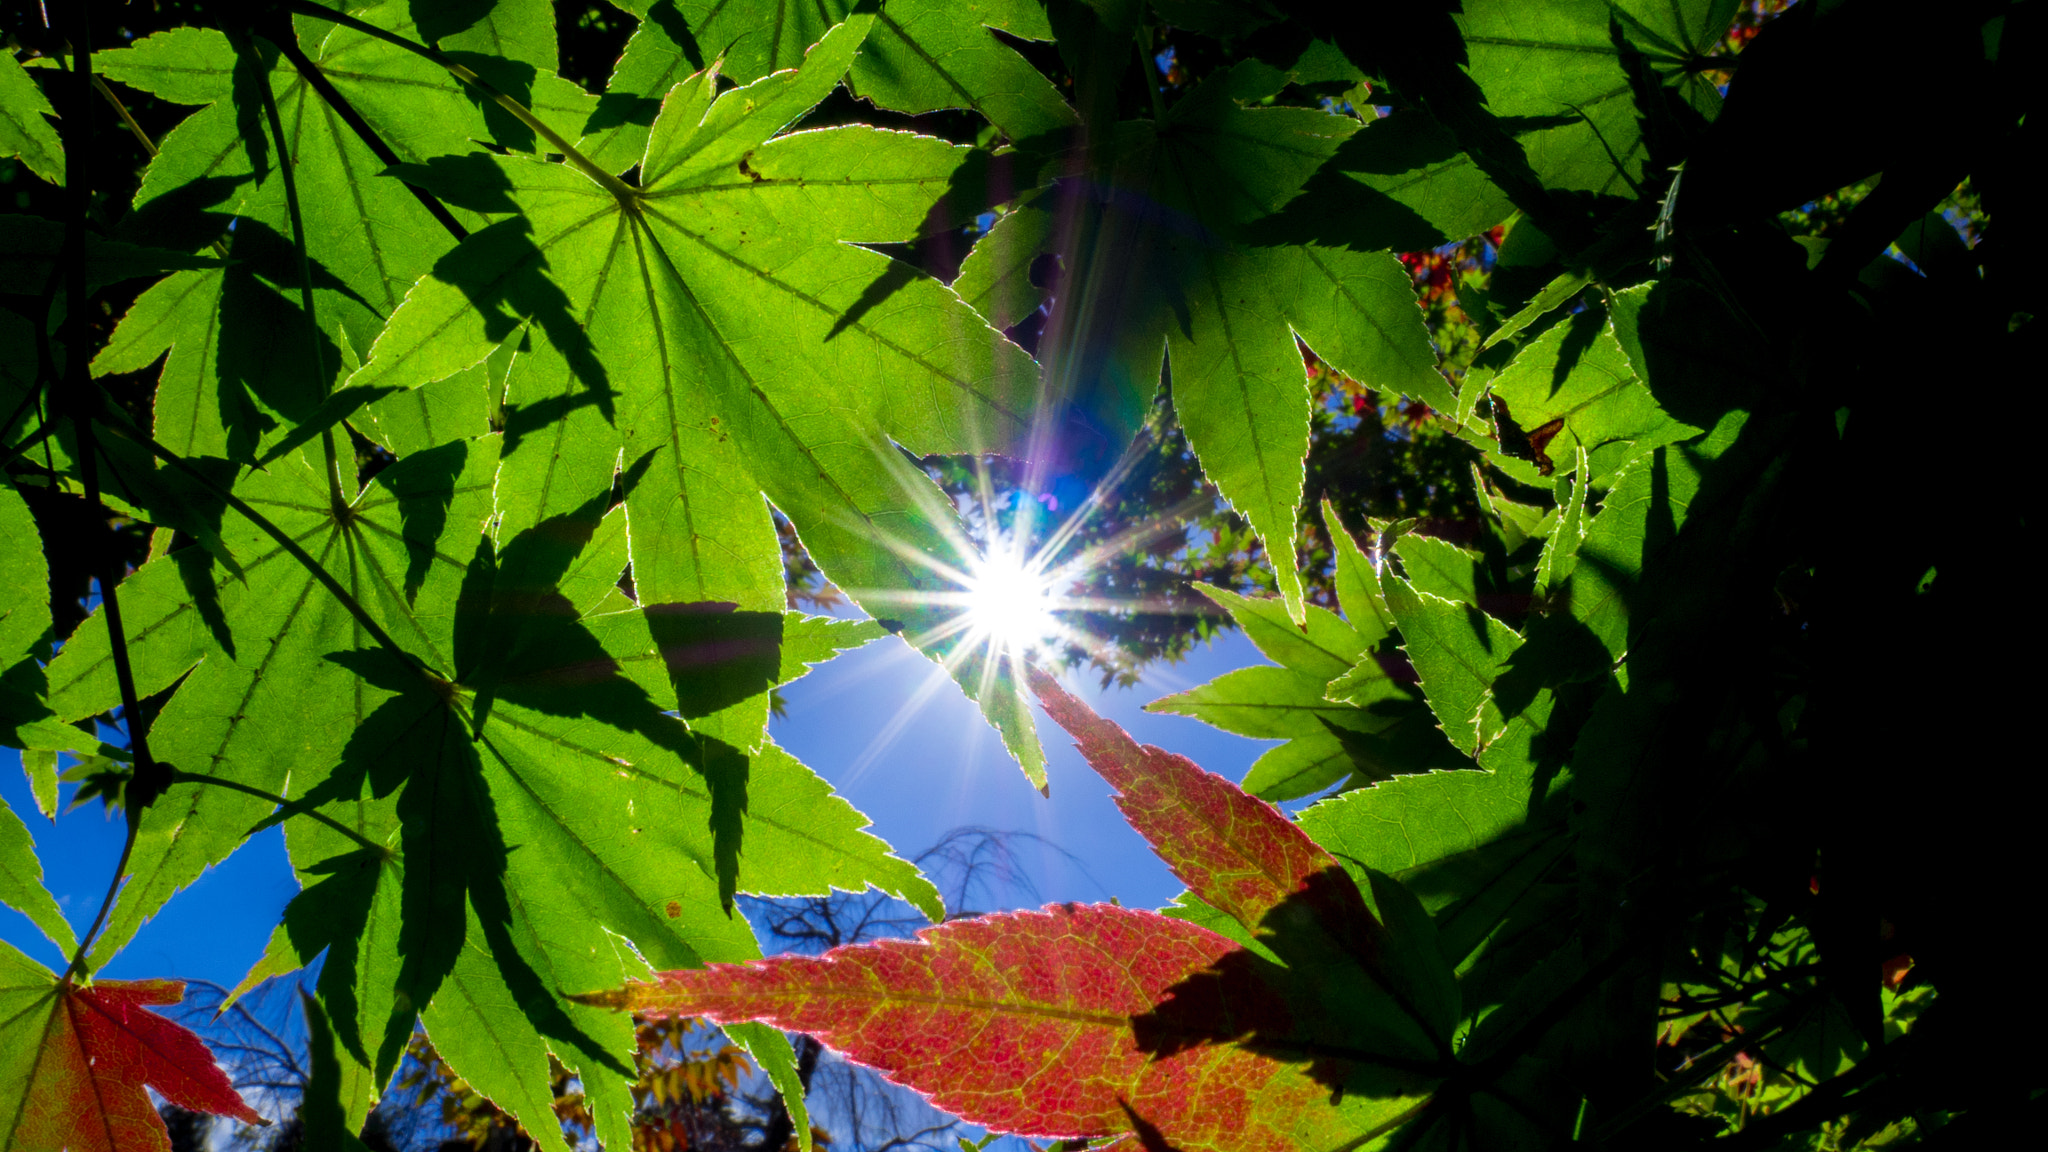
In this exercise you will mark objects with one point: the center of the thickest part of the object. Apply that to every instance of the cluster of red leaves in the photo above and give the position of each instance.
(1434, 272)
(1749, 20)
(84, 1087)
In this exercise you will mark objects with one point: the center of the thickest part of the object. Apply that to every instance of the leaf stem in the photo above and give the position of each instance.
(99, 920)
(148, 781)
(149, 146)
(121, 110)
(322, 381)
(180, 777)
(626, 193)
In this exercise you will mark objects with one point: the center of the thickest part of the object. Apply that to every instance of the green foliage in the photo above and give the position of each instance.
(24, 130)
(442, 417)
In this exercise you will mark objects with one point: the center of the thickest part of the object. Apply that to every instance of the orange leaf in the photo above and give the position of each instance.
(75, 1062)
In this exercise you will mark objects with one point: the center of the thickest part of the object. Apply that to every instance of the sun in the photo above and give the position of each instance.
(1009, 602)
(1008, 581)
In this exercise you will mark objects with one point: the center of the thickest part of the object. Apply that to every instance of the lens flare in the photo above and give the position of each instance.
(1009, 602)
(998, 577)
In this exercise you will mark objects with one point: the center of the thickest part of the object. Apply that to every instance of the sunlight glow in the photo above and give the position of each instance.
(1009, 603)
(1003, 588)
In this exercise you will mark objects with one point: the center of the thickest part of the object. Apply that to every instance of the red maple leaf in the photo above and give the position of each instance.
(1231, 848)
(78, 1060)
(1091, 1021)
(1030, 1022)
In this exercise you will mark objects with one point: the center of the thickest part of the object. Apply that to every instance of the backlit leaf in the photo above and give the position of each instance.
(21, 883)
(1552, 79)
(1077, 1021)
(77, 1063)
(1183, 278)
(1330, 684)
(1462, 654)
(996, 279)
(1234, 851)
(1576, 377)
(1238, 854)
(923, 55)
(24, 619)
(716, 333)
(25, 131)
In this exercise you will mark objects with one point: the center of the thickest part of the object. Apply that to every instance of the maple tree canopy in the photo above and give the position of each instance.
(425, 427)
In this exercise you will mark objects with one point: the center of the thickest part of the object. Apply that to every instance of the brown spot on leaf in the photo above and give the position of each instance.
(1539, 440)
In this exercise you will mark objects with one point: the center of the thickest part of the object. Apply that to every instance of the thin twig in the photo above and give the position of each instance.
(77, 965)
(181, 777)
(121, 109)
(322, 381)
(147, 782)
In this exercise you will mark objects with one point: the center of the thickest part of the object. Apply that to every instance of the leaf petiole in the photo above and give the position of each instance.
(321, 379)
(99, 920)
(121, 110)
(182, 777)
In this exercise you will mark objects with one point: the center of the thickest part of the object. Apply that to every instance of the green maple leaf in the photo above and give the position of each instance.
(923, 55)
(225, 390)
(1462, 656)
(1290, 702)
(996, 276)
(1555, 73)
(25, 131)
(21, 883)
(24, 618)
(1676, 38)
(1576, 375)
(1343, 716)
(714, 328)
(491, 815)
(1181, 270)
(259, 703)
(1553, 80)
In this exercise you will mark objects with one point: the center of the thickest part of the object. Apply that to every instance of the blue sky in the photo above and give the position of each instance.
(917, 769)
